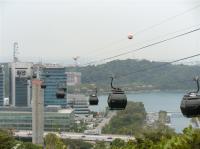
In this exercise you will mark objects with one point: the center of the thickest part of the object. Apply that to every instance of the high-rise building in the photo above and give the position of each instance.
(1, 86)
(53, 77)
(20, 87)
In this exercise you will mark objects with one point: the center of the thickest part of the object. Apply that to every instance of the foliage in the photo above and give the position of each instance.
(77, 144)
(28, 145)
(6, 140)
(117, 142)
(168, 77)
(52, 141)
(128, 121)
(156, 134)
(190, 139)
(100, 145)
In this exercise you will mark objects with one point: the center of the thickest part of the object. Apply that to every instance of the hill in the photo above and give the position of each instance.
(140, 73)
(128, 121)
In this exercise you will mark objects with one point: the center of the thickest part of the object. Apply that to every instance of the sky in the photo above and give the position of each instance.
(58, 30)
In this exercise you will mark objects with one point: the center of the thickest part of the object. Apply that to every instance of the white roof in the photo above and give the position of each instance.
(68, 110)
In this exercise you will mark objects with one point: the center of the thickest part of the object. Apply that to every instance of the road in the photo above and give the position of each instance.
(81, 136)
(106, 120)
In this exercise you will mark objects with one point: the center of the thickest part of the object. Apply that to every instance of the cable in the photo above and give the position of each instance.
(166, 35)
(150, 27)
(146, 46)
(175, 78)
(168, 19)
(155, 67)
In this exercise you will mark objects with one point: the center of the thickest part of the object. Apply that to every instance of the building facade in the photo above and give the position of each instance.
(79, 103)
(20, 87)
(55, 119)
(53, 77)
(73, 78)
(1, 86)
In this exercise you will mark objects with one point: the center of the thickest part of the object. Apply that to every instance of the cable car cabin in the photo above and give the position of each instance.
(117, 100)
(43, 86)
(93, 99)
(60, 94)
(190, 105)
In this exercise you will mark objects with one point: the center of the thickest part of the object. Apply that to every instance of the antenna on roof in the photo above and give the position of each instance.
(15, 51)
(76, 60)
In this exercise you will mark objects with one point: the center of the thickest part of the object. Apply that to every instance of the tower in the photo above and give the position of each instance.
(37, 112)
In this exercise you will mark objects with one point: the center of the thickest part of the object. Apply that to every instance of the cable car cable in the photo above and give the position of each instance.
(117, 100)
(146, 41)
(151, 26)
(147, 46)
(159, 66)
(169, 19)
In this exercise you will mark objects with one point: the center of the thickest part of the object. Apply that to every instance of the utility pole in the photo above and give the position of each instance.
(15, 51)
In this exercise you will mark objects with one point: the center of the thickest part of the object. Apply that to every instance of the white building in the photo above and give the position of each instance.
(20, 86)
(73, 78)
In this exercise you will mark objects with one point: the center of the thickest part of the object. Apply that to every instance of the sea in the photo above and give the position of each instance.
(154, 101)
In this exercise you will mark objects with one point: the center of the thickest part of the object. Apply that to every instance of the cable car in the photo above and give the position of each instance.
(117, 100)
(93, 99)
(60, 94)
(43, 86)
(34, 76)
(61, 91)
(190, 104)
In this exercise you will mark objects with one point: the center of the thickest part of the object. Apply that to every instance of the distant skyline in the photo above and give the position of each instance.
(57, 30)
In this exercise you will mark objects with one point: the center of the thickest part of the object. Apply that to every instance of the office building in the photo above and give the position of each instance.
(53, 77)
(79, 103)
(1, 86)
(20, 86)
(20, 118)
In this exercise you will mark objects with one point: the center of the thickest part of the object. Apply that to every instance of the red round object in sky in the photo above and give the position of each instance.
(130, 35)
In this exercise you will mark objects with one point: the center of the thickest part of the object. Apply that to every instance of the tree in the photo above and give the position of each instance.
(28, 145)
(128, 121)
(116, 143)
(53, 142)
(100, 145)
(77, 144)
(6, 140)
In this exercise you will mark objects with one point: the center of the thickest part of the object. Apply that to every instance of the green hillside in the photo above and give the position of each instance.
(167, 77)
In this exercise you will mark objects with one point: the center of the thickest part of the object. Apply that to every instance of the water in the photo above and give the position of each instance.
(154, 102)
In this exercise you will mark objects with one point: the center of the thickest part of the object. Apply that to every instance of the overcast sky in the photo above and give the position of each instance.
(57, 30)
